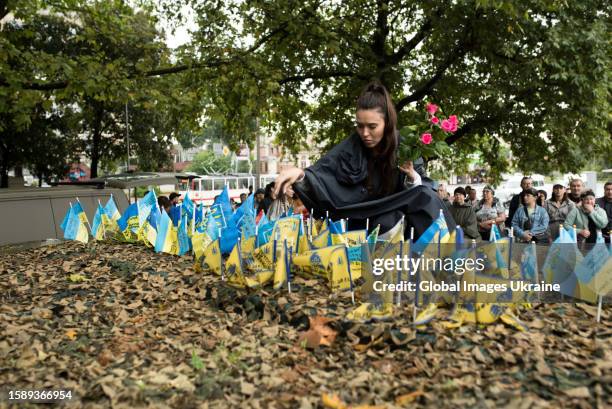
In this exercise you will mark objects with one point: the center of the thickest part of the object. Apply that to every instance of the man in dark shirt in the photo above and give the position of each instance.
(576, 188)
(517, 200)
(605, 203)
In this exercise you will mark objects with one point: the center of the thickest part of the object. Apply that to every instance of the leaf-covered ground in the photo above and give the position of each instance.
(124, 327)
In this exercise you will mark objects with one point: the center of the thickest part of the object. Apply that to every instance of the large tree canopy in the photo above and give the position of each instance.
(532, 74)
(91, 59)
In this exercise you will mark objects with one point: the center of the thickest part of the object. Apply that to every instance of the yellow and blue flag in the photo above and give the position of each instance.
(111, 209)
(315, 262)
(281, 265)
(145, 205)
(184, 243)
(595, 271)
(351, 238)
(199, 242)
(212, 260)
(233, 268)
(75, 228)
(97, 226)
(529, 263)
(322, 240)
(287, 228)
(373, 238)
(495, 233)
(129, 219)
(167, 241)
(396, 234)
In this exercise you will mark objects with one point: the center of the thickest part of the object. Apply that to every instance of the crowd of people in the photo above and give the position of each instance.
(532, 215)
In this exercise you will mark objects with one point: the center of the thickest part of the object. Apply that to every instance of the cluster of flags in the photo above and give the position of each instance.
(247, 250)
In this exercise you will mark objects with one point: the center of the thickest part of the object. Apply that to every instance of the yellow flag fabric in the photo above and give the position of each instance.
(200, 242)
(396, 234)
(247, 246)
(280, 266)
(315, 262)
(287, 228)
(170, 243)
(369, 311)
(82, 234)
(233, 269)
(319, 226)
(109, 225)
(303, 245)
(352, 238)
(147, 234)
(212, 258)
(263, 257)
(259, 279)
(321, 240)
(339, 277)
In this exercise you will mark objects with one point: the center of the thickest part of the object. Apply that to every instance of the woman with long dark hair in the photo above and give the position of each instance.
(360, 178)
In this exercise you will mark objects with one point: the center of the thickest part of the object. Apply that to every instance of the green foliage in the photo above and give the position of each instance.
(502, 66)
(206, 163)
(533, 74)
(93, 57)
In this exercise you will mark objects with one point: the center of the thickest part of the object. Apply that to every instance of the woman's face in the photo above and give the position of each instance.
(487, 195)
(370, 126)
(529, 199)
(559, 192)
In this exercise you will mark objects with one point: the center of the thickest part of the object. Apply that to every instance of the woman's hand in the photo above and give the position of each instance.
(408, 169)
(585, 233)
(411, 174)
(285, 179)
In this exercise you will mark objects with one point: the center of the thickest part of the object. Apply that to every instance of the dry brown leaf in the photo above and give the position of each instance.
(247, 388)
(319, 333)
(478, 356)
(578, 392)
(543, 369)
(409, 397)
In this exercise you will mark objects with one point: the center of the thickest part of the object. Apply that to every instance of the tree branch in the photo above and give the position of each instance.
(410, 45)
(425, 88)
(380, 34)
(50, 86)
(316, 75)
(481, 122)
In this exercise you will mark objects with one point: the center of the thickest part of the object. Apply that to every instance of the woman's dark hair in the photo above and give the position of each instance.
(268, 190)
(541, 201)
(375, 96)
(460, 190)
(163, 202)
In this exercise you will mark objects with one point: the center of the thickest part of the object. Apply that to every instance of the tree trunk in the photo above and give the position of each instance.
(96, 140)
(3, 177)
(3, 168)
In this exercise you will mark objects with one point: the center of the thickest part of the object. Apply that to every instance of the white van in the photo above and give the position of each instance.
(511, 186)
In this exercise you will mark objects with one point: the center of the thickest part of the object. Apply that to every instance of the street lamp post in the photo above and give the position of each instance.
(258, 167)
(127, 137)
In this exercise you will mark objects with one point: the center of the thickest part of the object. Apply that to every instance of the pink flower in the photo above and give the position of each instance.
(426, 138)
(454, 128)
(453, 119)
(434, 120)
(447, 126)
(431, 108)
